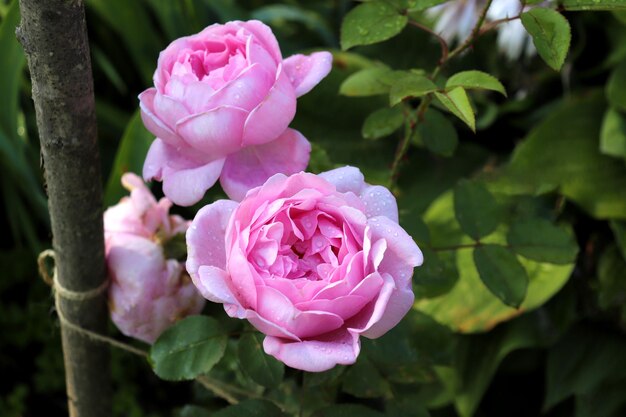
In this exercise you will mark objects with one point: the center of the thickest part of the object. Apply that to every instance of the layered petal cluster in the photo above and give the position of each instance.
(148, 292)
(456, 19)
(312, 261)
(220, 108)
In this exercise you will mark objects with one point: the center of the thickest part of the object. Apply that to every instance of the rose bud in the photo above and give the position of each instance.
(144, 251)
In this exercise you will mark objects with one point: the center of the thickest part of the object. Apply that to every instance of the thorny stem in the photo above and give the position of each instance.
(403, 146)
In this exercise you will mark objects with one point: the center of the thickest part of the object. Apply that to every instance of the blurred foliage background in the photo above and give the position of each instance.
(546, 170)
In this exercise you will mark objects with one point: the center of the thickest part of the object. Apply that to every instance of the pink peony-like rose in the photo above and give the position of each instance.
(148, 292)
(220, 107)
(312, 261)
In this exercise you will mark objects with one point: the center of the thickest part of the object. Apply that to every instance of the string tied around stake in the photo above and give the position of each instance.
(62, 292)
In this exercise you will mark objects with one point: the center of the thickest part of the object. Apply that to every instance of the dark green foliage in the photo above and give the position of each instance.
(521, 218)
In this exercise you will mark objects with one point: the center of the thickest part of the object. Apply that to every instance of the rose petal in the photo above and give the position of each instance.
(152, 122)
(265, 326)
(379, 201)
(272, 116)
(169, 110)
(212, 283)
(242, 277)
(264, 36)
(253, 165)
(136, 263)
(184, 181)
(216, 132)
(256, 54)
(402, 254)
(400, 302)
(372, 313)
(277, 308)
(245, 92)
(346, 179)
(206, 236)
(306, 71)
(323, 353)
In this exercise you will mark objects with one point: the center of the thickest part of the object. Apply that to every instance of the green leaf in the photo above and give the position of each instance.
(502, 273)
(619, 231)
(173, 17)
(616, 87)
(194, 411)
(410, 85)
(458, 103)
(382, 122)
(475, 79)
(583, 360)
(130, 157)
(326, 378)
(251, 408)
(437, 133)
(469, 306)
(276, 14)
(347, 410)
(131, 22)
(577, 5)
(478, 358)
(436, 276)
(611, 282)
(343, 141)
(613, 134)
(551, 34)
(363, 380)
(369, 82)
(189, 348)
(475, 209)
(262, 368)
(562, 153)
(10, 71)
(605, 400)
(371, 22)
(406, 407)
(419, 5)
(542, 241)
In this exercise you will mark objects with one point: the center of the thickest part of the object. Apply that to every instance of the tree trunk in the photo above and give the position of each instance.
(54, 36)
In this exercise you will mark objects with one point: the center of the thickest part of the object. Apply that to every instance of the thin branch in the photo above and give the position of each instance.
(442, 41)
(446, 56)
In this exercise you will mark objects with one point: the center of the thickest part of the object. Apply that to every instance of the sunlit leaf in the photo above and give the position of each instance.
(410, 85)
(475, 79)
(458, 103)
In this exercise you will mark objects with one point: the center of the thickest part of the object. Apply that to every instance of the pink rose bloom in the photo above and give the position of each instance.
(148, 292)
(220, 107)
(312, 261)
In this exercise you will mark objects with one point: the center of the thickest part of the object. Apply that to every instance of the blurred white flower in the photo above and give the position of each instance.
(513, 40)
(456, 19)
